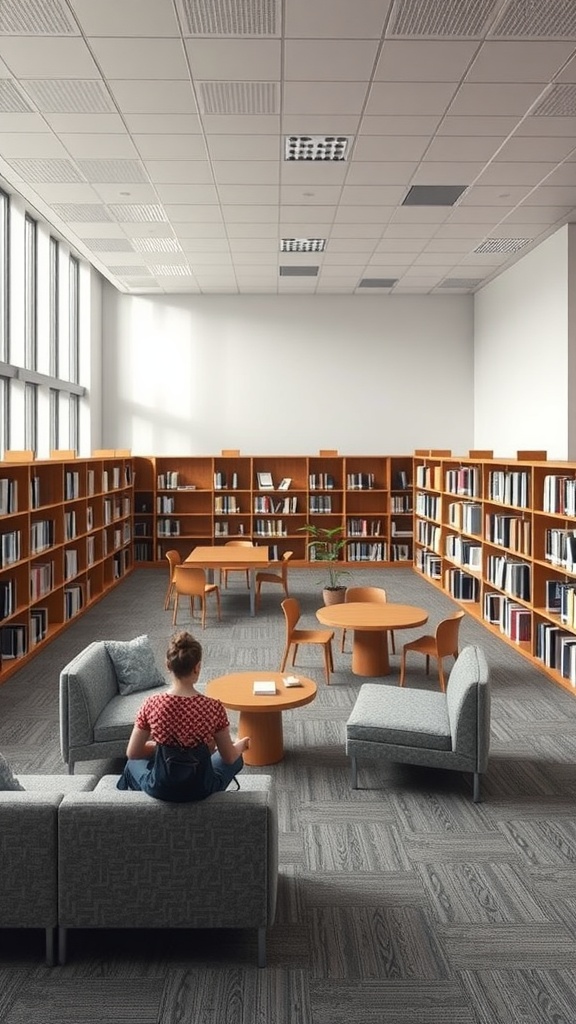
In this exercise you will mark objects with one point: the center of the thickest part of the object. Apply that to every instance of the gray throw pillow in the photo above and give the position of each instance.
(134, 665)
(7, 778)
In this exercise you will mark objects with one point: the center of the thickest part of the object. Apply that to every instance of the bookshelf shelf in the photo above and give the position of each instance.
(65, 539)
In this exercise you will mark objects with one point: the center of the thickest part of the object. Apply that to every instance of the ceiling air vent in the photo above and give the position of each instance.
(555, 19)
(35, 17)
(231, 17)
(108, 244)
(461, 19)
(502, 244)
(238, 97)
(560, 101)
(299, 271)
(433, 195)
(156, 245)
(316, 147)
(378, 282)
(126, 213)
(461, 282)
(302, 245)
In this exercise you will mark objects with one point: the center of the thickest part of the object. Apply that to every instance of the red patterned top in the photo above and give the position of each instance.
(182, 721)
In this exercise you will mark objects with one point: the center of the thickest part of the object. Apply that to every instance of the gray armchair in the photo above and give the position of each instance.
(439, 730)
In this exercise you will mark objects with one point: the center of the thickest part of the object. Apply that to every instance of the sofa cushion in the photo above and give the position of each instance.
(408, 717)
(8, 780)
(134, 665)
(116, 720)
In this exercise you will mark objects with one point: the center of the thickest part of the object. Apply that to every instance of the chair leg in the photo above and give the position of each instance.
(203, 603)
(441, 675)
(294, 653)
(175, 614)
(285, 657)
(49, 947)
(354, 772)
(218, 605)
(62, 935)
(327, 664)
(427, 664)
(261, 947)
(343, 641)
(402, 668)
(476, 791)
(392, 641)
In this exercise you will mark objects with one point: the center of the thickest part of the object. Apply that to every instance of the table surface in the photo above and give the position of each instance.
(367, 615)
(235, 691)
(222, 557)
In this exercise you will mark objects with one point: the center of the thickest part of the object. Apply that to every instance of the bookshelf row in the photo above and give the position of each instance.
(66, 538)
(499, 537)
(181, 502)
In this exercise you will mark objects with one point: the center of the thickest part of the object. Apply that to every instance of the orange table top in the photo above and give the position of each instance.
(235, 691)
(223, 557)
(367, 615)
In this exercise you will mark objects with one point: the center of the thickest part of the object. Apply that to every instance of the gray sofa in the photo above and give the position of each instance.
(213, 864)
(77, 853)
(414, 726)
(95, 719)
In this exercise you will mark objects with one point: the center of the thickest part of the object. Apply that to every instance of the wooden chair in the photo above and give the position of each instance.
(224, 572)
(441, 645)
(190, 581)
(295, 637)
(274, 577)
(375, 594)
(174, 559)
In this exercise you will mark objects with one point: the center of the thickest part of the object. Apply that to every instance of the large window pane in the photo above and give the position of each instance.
(74, 319)
(74, 422)
(54, 308)
(54, 419)
(31, 417)
(4, 415)
(30, 295)
(4, 275)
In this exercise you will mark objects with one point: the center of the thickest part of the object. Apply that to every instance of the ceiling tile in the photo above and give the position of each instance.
(67, 193)
(324, 97)
(33, 144)
(141, 58)
(114, 193)
(372, 195)
(242, 147)
(149, 97)
(313, 172)
(115, 147)
(497, 127)
(368, 231)
(472, 99)
(431, 172)
(501, 173)
(43, 57)
(293, 213)
(21, 123)
(392, 98)
(200, 229)
(196, 195)
(535, 149)
(363, 215)
(179, 172)
(163, 124)
(249, 172)
(255, 231)
(458, 148)
(391, 147)
(229, 124)
(400, 125)
(519, 61)
(109, 18)
(247, 194)
(317, 195)
(83, 124)
(424, 60)
(493, 195)
(240, 60)
(170, 147)
(313, 60)
(388, 173)
(250, 214)
(183, 212)
(365, 19)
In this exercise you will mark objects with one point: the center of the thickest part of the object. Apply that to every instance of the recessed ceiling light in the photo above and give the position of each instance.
(316, 147)
(303, 271)
(302, 244)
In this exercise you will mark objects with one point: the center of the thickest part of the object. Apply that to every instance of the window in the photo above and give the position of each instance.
(74, 320)
(74, 438)
(54, 308)
(54, 416)
(30, 294)
(4, 275)
(4, 414)
(31, 417)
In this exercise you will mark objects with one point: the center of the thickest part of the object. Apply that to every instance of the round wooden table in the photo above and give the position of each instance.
(369, 623)
(261, 716)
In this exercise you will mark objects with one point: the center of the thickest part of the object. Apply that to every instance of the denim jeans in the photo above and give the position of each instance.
(137, 771)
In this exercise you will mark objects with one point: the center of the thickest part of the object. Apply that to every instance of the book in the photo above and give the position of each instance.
(265, 480)
(284, 483)
(265, 688)
(291, 681)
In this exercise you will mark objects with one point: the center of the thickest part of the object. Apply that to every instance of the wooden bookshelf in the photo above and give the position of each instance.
(66, 538)
(499, 537)
(182, 502)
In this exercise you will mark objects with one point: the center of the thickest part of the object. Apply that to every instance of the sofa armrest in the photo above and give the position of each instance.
(87, 684)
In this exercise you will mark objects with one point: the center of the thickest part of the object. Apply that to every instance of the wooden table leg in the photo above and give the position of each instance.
(266, 737)
(370, 653)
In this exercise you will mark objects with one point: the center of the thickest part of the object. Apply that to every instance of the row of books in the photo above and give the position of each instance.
(168, 528)
(465, 551)
(429, 563)
(509, 532)
(461, 585)
(70, 526)
(7, 598)
(224, 504)
(265, 503)
(557, 649)
(401, 503)
(364, 527)
(360, 481)
(509, 487)
(270, 528)
(467, 480)
(560, 548)
(321, 481)
(9, 547)
(513, 620)
(167, 481)
(73, 600)
(41, 535)
(71, 485)
(164, 504)
(429, 535)
(8, 496)
(428, 505)
(320, 504)
(13, 641)
(38, 624)
(360, 551)
(223, 480)
(465, 516)
(510, 575)
(429, 477)
(561, 599)
(41, 579)
(559, 495)
(400, 553)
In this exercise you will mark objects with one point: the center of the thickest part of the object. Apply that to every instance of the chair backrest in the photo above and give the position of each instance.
(174, 558)
(468, 704)
(239, 544)
(291, 609)
(377, 595)
(284, 567)
(447, 633)
(190, 580)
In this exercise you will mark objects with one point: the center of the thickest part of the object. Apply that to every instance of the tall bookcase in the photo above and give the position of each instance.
(65, 540)
(499, 536)
(186, 501)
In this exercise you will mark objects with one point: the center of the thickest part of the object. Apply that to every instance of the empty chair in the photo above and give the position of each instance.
(375, 594)
(441, 645)
(191, 582)
(174, 559)
(274, 577)
(224, 572)
(295, 637)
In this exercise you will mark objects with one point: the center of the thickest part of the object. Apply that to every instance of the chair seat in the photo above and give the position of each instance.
(424, 644)
(411, 718)
(312, 636)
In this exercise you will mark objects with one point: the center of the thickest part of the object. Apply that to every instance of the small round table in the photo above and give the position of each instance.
(261, 716)
(370, 621)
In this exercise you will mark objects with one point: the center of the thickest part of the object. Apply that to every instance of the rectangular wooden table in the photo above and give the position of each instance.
(223, 557)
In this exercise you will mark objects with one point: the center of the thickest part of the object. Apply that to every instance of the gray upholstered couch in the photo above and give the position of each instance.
(414, 726)
(77, 853)
(213, 864)
(95, 719)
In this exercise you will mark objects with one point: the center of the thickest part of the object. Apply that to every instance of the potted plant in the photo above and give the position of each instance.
(326, 543)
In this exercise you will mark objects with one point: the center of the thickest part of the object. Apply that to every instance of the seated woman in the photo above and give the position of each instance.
(180, 748)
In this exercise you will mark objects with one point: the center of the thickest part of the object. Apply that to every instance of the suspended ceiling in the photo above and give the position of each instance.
(152, 135)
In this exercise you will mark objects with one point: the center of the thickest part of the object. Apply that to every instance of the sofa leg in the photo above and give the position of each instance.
(354, 772)
(261, 947)
(476, 792)
(49, 947)
(62, 935)
(71, 768)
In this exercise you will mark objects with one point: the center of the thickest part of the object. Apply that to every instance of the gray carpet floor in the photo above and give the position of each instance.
(402, 902)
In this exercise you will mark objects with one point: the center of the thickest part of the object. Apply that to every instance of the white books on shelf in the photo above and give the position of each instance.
(264, 687)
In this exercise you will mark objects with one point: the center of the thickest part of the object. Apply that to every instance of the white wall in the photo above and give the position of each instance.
(287, 374)
(521, 348)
